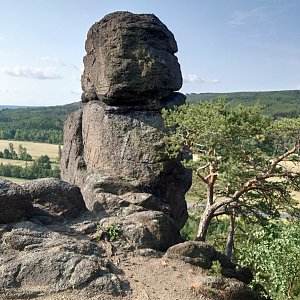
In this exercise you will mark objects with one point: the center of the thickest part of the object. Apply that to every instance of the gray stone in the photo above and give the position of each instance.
(196, 253)
(202, 255)
(114, 147)
(146, 229)
(15, 202)
(225, 288)
(56, 197)
(130, 58)
(120, 150)
(35, 260)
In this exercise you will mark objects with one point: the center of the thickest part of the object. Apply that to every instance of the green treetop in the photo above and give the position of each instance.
(242, 158)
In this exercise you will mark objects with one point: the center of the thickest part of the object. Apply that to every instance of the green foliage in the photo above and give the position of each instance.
(239, 145)
(189, 231)
(273, 252)
(277, 104)
(110, 232)
(23, 155)
(41, 124)
(41, 168)
(9, 153)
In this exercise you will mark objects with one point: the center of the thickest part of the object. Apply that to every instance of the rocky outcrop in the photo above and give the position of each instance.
(37, 260)
(220, 288)
(203, 255)
(52, 247)
(56, 197)
(15, 202)
(130, 58)
(114, 145)
(51, 251)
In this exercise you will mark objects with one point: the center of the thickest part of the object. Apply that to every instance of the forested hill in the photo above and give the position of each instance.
(45, 124)
(41, 124)
(275, 103)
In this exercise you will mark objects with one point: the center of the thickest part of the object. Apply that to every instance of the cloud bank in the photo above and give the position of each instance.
(193, 78)
(33, 73)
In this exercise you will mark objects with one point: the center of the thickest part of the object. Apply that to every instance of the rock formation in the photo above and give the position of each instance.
(113, 148)
(130, 58)
(53, 247)
(15, 202)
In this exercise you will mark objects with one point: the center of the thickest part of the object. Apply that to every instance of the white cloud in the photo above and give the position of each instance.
(193, 78)
(297, 87)
(30, 72)
(240, 17)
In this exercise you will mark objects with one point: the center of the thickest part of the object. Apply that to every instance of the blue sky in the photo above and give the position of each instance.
(224, 45)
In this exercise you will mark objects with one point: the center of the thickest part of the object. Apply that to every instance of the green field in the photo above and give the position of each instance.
(34, 149)
(15, 180)
(21, 163)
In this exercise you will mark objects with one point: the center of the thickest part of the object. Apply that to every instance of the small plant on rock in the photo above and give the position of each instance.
(109, 232)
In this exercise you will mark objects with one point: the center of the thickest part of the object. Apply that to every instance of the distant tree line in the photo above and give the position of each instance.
(10, 153)
(39, 124)
(41, 168)
(278, 104)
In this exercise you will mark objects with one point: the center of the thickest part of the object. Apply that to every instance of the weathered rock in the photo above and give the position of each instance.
(36, 260)
(123, 153)
(221, 288)
(146, 229)
(56, 197)
(114, 146)
(202, 255)
(196, 253)
(130, 58)
(15, 202)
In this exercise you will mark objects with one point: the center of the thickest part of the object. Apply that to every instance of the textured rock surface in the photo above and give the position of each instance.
(114, 145)
(221, 288)
(37, 260)
(119, 150)
(202, 255)
(130, 58)
(146, 229)
(56, 197)
(15, 202)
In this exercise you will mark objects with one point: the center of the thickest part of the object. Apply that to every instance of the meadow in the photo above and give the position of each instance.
(33, 148)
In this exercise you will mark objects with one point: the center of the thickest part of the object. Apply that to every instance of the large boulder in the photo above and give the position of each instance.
(114, 147)
(15, 202)
(120, 150)
(130, 58)
(36, 260)
(144, 229)
(203, 255)
(56, 197)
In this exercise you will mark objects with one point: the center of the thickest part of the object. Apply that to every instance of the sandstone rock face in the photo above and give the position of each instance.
(37, 260)
(120, 150)
(130, 58)
(56, 197)
(15, 202)
(114, 145)
(202, 255)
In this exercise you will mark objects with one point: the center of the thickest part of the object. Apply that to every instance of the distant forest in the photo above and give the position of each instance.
(38, 124)
(45, 124)
(279, 104)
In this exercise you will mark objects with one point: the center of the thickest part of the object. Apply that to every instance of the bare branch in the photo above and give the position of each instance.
(283, 156)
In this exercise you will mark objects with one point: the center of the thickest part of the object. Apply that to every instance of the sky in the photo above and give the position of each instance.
(224, 45)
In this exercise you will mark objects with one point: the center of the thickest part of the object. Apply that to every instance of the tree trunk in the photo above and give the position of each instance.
(208, 212)
(204, 224)
(230, 237)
